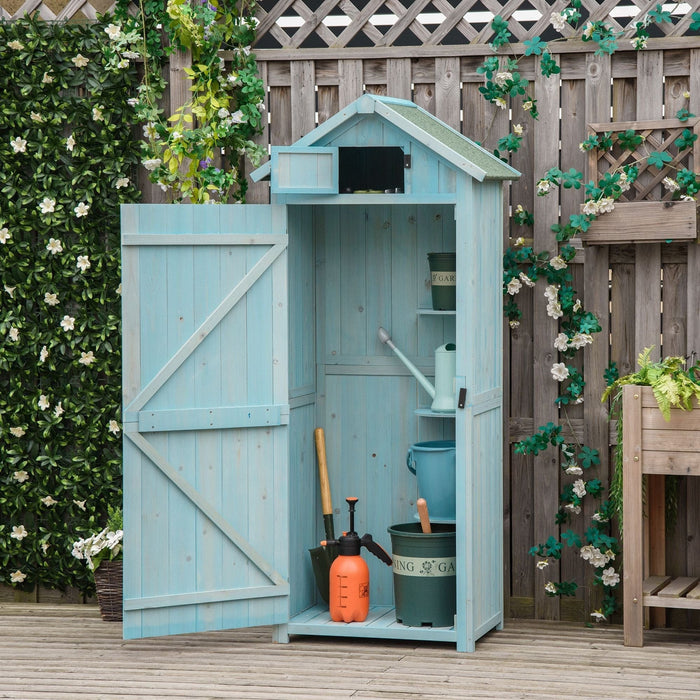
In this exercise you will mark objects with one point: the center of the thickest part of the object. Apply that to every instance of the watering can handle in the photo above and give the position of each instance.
(409, 461)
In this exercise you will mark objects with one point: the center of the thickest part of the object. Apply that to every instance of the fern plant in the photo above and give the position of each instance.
(673, 386)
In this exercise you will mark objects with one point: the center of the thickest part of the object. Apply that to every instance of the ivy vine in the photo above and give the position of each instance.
(523, 266)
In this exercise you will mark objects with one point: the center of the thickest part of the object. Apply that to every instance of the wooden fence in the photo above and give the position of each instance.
(316, 57)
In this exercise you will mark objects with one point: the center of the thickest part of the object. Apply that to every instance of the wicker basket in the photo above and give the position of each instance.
(108, 580)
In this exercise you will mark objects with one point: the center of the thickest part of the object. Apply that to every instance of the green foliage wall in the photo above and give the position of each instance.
(68, 158)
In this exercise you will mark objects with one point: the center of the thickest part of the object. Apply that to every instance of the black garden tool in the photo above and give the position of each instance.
(322, 557)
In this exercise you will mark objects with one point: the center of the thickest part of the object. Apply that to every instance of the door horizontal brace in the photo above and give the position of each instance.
(198, 597)
(214, 418)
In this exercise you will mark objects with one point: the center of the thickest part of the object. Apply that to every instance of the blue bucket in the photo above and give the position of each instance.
(433, 463)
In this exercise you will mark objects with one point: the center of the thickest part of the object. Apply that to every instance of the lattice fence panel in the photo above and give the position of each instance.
(337, 24)
(57, 10)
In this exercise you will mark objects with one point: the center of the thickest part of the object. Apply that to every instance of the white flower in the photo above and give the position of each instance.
(81, 210)
(97, 113)
(526, 280)
(83, 263)
(514, 324)
(10, 290)
(518, 129)
(132, 101)
(500, 102)
(121, 182)
(18, 431)
(19, 145)
(610, 577)
(44, 402)
(670, 184)
(113, 31)
(237, 117)
(223, 113)
(17, 577)
(544, 186)
(528, 105)
(15, 45)
(599, 518)
(576, 510)
(47, 78)
(49, 501)
(574, 470)
(557, 262)
(550, 587)
(624, 182)
(590, 207)
(5, 235)
(131, 54)
(175, 135)
(560, 371)
(67, 323)
(514, 286)
(36, 117)
(233, 78)
(114, 427)
(43, 354)
(19, 532)
(580, 340)
(119, 289)
(558, 21)
(59, 410)
(598, 616)
(579, 488)
(54, 246)
(542, 563)
(47, 205)
(80, 61)
(554, 309)
(87, 358)
(149, 131)
(561, 342)
(502, 78)
(124, 63)
(519, 241)
(80, 504)
(14, 334)
(588, 30)
(577, 305)
(605, 205)
(70, 143)
(51, 298)
(45, 545)
(151, 163)
(21, 476)
(639, 42)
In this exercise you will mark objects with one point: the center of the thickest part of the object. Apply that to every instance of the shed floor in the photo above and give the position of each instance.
(67, 651)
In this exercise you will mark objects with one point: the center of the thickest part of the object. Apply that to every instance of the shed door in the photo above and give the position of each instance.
(205, 417)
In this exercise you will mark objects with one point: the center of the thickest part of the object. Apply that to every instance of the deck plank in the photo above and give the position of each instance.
(58, 652)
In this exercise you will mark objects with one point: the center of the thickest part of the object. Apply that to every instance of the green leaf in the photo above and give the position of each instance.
(534, 46)
(659, 159)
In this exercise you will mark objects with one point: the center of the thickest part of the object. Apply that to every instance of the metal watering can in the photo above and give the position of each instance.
(443, 393)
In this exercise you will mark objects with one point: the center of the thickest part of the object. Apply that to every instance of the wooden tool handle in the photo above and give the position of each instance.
(326, 503)
(423, 514)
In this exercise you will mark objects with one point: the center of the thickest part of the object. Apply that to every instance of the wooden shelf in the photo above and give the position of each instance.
(436, 312)
(380, 624)
(667, 592)
(428, 413)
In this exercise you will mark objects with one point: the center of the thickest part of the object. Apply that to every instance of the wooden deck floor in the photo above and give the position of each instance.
(66, 651)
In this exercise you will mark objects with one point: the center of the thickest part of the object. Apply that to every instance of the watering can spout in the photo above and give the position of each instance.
(386, 338)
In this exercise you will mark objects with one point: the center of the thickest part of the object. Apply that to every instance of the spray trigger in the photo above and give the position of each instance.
(375, 548)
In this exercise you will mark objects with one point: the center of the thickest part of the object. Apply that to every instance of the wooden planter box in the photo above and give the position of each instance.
(652, 445)
(644, 222)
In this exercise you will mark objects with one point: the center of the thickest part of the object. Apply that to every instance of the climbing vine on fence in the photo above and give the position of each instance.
(68, 159)
(523, 266)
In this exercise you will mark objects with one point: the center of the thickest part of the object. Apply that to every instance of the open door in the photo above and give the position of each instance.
(205, 417)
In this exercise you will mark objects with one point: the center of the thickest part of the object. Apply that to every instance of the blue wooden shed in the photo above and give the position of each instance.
(247, 326)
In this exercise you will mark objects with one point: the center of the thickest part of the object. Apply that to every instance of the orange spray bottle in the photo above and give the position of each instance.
(349, 574)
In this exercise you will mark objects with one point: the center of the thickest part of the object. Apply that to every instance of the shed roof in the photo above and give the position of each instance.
(420, 125)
